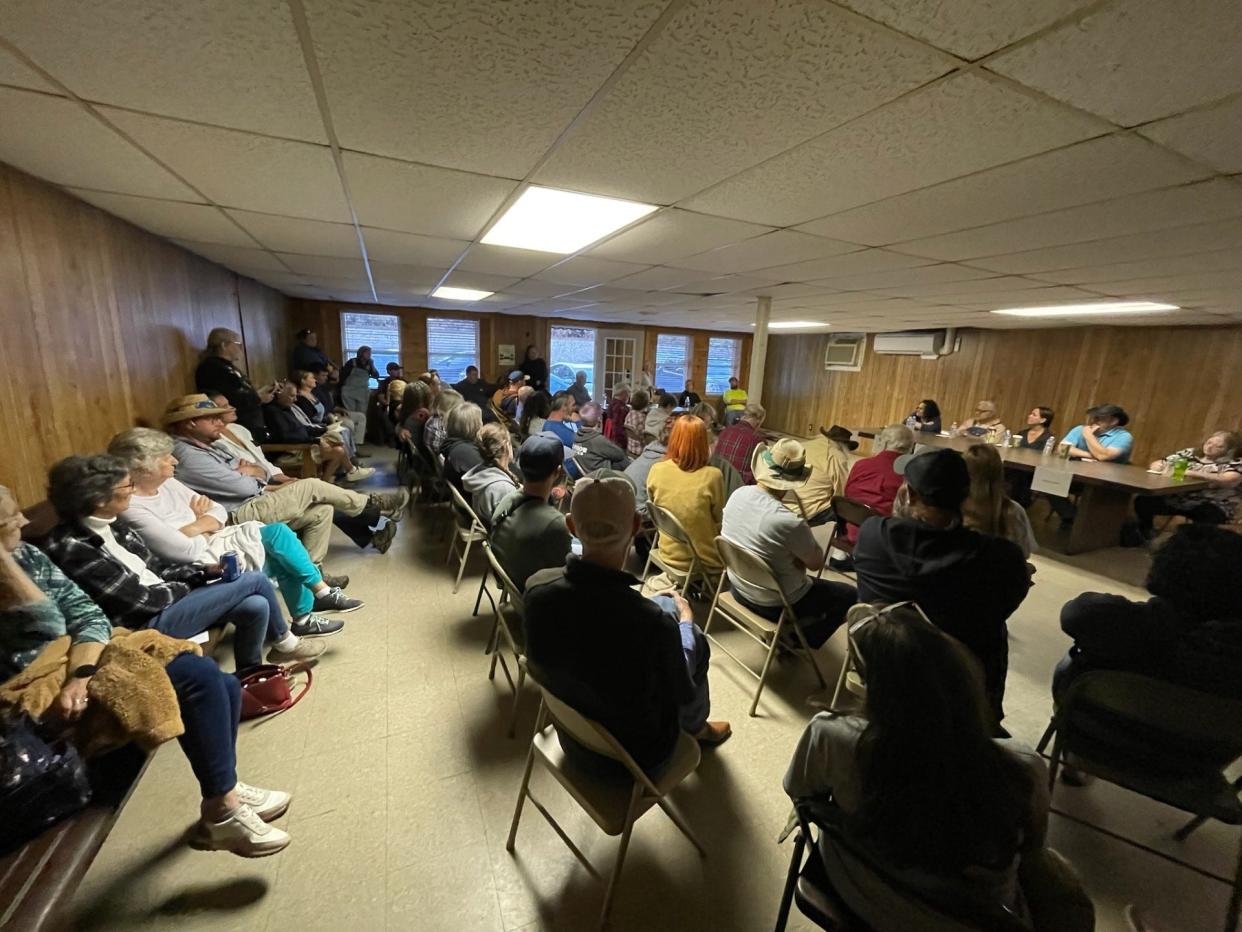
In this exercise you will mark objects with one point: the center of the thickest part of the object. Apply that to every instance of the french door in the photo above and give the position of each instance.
(616, 360)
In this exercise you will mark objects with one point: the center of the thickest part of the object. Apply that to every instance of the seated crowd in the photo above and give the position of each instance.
(567, 488)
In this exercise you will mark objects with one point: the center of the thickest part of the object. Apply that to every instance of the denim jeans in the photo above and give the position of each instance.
(290, 565)
(249, 602)
(210, 709)
(698, 652)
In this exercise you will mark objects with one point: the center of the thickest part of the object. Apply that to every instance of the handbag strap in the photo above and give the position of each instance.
(288, 670)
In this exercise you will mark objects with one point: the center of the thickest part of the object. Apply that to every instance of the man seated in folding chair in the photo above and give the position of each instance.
(968, 583)
(528, 532)
(636, 665)
(755, 519)
(936, 813)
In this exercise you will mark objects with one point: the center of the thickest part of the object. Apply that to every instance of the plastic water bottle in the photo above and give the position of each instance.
(953, 429)
(1004, 438)
(912, 422)
(1049, 445)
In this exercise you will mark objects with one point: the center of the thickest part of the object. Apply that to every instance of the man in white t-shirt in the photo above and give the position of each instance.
(755, 519)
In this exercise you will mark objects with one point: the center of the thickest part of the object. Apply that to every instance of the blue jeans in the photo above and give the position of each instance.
(249, 602)
(210, 709)
(698, 652)
(291, 566)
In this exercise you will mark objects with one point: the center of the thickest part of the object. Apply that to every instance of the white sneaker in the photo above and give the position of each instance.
(267, 804)
(358, 473)
(242, 833)
(304, 650)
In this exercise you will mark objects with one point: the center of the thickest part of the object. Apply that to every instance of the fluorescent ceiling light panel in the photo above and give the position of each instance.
(461, 294)
(562, 221)
(795, 324)
(1090, 310)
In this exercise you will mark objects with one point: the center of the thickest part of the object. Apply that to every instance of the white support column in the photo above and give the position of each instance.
(759, 350)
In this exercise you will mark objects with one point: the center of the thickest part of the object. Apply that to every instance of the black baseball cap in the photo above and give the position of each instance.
(540, 456)
(939, 476)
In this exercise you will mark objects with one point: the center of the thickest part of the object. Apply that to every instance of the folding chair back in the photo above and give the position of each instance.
(851, 677)
(512, 593)
(849, 511)
(669, 525)
(592, 736)
(750, 568)
(470, 530)
(510, 621)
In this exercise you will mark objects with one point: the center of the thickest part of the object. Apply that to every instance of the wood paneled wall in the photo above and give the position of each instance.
(324, 317)
(1177, 383)
(102, 326)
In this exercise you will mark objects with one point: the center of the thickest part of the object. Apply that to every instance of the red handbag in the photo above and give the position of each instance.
(268, 689)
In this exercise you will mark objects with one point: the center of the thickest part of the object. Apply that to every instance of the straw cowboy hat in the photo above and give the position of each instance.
(781, 465)
(188, 407)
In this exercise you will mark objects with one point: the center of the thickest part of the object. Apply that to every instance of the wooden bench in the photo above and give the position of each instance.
(308, 468)
(39, 878)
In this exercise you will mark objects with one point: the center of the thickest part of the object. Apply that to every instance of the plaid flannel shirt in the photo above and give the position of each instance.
(736, 445)
(80, 553)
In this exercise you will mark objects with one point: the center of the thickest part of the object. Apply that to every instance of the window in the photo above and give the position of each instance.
(672, 362)
(724, 360)
(452, 345)
(845, 351)
(381, 332)
(572, 350)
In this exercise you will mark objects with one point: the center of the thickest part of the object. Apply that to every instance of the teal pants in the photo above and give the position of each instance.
(291, 566)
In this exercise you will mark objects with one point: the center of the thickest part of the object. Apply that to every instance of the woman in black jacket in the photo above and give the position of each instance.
(219, 374)
(536, 367)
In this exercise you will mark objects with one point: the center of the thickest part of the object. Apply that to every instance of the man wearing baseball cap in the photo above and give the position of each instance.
(528, 533)
(967, 583)
(610, 652)
(755, 519)
(243, 488)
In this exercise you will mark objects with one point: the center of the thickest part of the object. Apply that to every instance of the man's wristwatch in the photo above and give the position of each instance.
(84, 672)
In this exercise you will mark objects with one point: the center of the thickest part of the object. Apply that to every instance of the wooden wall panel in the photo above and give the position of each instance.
(324, 317)
(102, 325)
(1177, 383)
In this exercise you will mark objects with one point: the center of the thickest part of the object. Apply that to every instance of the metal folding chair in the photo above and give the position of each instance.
(509, 624)
(751, 568)
(469, 531)
(668, 525)
(612, 805)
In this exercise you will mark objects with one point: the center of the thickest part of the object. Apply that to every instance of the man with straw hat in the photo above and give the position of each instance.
(756, 519)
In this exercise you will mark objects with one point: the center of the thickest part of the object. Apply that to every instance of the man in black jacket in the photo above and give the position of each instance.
(287, 423)
(591, 448)
(967, 583)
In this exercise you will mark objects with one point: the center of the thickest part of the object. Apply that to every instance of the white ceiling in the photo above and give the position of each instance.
(876, 164)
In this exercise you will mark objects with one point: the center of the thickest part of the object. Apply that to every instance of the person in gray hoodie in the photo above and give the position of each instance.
(591, 448)
(489, 483)
(641, 466)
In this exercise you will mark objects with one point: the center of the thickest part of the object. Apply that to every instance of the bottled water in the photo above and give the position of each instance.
(1049, 445)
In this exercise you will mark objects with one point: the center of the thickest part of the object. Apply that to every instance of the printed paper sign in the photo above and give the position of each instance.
(1052, 480)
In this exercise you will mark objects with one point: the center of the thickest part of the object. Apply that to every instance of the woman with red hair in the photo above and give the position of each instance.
(694, 492)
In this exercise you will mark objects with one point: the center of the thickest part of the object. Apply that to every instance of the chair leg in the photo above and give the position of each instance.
(517, 699)
(846, 666)
(819, 674)
(1184, 832)
(1235, 900)
(1054, 763)
(465, 556)
(791, 878)
(763, 674)
(522, 793)
(681, 824)
(478, 599)
(1048, 733)
(616, 869)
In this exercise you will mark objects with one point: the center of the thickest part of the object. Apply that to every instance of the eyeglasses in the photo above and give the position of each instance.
(121, 489)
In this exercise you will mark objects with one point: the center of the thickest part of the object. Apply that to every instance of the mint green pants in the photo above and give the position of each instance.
(291, 566)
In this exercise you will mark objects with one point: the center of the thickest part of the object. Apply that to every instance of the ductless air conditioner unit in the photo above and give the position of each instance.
(926, 343)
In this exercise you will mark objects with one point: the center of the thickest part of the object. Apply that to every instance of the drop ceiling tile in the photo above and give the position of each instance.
(234, 257)
(865, 260)
(673, 234)
(505, 260)
(1025, 297)
(953, 127)
(1136, 61)
(393, 276)
(418, 199)
(922, 276)
(660, 276)
(587, 270)
(55, 136)
(728, 83)
(1079, 174)
(1183, 240)
(1153, 210)
(238, 169)
(1229, 278)
(229, 62)
(480, 281)
(317, 266)
(931, 291)
(721, 285)
(479, 85)
(310, 237)
(969, 28)
(1212, 136)
(793, 290)
(411, 248)
(171, 219)
(779, 248)
(530, 288)
(1217, 260)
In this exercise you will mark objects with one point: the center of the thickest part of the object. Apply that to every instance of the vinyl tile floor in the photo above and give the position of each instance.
(404, 783)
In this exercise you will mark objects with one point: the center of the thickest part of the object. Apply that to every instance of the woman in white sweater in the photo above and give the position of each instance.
(181, 526)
